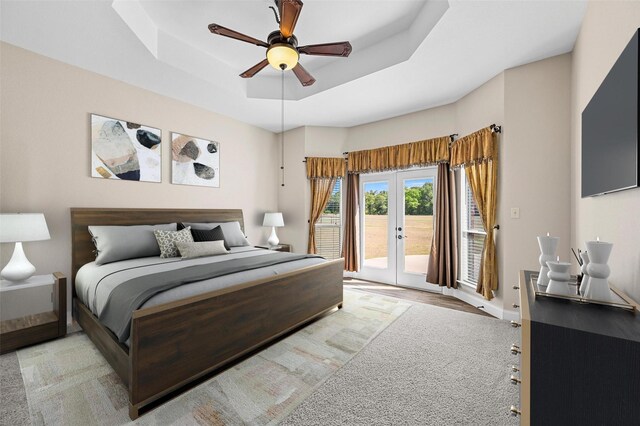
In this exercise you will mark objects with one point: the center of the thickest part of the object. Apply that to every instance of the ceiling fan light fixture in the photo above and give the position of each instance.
(282, 54)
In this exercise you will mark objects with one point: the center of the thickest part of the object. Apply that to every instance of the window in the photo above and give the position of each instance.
(329, 226)
(472, 235)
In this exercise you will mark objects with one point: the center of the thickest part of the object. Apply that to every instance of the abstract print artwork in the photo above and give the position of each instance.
(125, 150)
(195, 161)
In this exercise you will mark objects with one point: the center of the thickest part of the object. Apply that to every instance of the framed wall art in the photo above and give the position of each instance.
(195, 161)
(125, 150)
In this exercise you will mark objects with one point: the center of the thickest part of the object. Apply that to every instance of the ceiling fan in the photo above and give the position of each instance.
(283, 51)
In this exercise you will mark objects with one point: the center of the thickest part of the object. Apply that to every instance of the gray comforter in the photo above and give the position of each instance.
(133, 293)
(94, 283)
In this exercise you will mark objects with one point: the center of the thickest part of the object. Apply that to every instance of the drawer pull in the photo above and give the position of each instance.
(515, 305)
(515, 368)
(515, 350)
(515, 324)
(514, 380)
(515, 411)
(516, 287)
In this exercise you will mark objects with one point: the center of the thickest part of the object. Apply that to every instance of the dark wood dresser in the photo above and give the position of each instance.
(579, 363)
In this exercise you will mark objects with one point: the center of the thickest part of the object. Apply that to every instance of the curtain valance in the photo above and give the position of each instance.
(325, 168)
(478, 147)
(398, 157)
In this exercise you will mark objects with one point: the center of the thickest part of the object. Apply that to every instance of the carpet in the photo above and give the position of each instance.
(13, 399)
(433, 366)
(67, 381)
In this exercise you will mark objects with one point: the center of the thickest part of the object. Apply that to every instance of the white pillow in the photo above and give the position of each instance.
(201, 249)
(232, 232)
(167, 241)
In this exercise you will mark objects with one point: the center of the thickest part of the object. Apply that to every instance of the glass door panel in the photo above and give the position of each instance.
(418, 224)
(415, 226)
(377, 222)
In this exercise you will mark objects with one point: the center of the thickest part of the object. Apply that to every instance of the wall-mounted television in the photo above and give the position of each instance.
(610, 147)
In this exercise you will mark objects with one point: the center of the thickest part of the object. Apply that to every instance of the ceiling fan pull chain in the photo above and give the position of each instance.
(282, 128)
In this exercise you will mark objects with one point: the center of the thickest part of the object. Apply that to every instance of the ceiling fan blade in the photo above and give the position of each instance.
(303, 75)
(289, 13)
(220, 30)
(254, 69)
(342, 48)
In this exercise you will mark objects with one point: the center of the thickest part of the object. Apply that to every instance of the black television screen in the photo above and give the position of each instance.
(610, 150)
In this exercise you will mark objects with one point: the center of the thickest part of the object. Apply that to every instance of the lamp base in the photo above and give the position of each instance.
(19, 268)
(273, 238)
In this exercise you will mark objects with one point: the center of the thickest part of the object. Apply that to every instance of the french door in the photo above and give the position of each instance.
(396, 227)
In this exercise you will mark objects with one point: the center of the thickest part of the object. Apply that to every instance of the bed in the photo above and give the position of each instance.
(172, 343)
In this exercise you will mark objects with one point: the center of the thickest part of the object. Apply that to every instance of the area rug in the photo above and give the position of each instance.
(433, 366)
(67, 381)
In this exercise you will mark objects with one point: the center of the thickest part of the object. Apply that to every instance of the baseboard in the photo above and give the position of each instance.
(471, 298)
(482, 304)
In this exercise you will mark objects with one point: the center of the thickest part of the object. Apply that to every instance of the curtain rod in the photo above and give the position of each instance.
(495, 128)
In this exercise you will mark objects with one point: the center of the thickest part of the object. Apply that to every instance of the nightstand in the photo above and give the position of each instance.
(32, 311)
(279, 247)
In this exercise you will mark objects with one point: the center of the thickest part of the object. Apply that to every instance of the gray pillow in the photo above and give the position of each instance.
(115, 243)
(201, 249)
(233, 235)
(167, 241)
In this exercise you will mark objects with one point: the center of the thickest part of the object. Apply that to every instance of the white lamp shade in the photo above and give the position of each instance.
(21, 227)
(273, 219)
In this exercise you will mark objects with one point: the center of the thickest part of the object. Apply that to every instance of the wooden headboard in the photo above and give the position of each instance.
(82, 248)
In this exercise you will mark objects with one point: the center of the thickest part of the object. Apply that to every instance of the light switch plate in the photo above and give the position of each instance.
(515, 213)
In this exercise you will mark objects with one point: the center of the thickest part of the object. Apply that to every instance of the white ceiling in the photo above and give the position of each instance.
(408, 55)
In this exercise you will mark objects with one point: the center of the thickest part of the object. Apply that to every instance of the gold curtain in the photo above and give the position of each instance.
(443, 259)
(478, 153)
(323, 168)
(482, 178)
(320, 193)
(351, 219)
(475, 148)
(398, 157)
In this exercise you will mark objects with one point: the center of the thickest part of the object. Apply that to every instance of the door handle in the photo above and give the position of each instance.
(399, 237)
(400, 229)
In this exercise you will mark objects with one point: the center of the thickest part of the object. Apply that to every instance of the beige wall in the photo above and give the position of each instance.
(45, 152)
(606, 30)
(292, 198)
(534, 166)
(429, 123)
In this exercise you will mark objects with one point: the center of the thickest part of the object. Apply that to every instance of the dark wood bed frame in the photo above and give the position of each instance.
(176, 343)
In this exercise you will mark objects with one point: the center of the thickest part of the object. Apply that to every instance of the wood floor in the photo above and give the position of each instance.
(413, 295)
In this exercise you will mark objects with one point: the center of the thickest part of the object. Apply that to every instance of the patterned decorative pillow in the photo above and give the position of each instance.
(201, 249)
(167, 241)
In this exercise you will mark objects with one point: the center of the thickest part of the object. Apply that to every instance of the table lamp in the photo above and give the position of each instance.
(273, 220)
(18, 228)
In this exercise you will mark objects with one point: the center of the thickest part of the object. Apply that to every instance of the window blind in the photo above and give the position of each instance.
(473, 237)
(329, 226)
